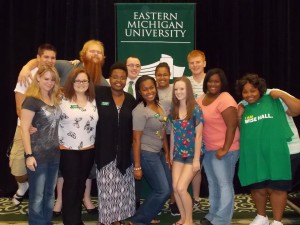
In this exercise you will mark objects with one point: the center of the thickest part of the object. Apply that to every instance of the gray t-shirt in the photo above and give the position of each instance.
(165, 99)
(197, 87)
(152, 124)
(64, 68)
(44, 142)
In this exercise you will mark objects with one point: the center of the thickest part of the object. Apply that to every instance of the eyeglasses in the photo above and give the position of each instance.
(81, 82)
(134, 65)
(95, 52)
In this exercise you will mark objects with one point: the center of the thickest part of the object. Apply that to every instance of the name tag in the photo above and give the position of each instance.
(74, 106)
(105, 103)
(156, 115)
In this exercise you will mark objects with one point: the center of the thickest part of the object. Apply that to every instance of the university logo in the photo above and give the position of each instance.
(156, 33)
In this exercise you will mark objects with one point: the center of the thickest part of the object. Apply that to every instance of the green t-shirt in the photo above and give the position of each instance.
(264, 153)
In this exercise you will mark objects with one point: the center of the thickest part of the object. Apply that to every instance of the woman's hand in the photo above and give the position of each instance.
(138, 174)
(168, 161)
(171, 160)
(31, 163)
(220, 153)
(196, 165)
(32, 130)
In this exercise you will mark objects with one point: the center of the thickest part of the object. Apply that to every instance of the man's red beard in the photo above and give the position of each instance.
(94, 68)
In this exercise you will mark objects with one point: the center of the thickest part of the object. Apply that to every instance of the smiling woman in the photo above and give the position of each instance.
(273, 161)
(115, 180)
(149, 137)
(77, 136)
(40, 110)
(186, 146)
(221, 138)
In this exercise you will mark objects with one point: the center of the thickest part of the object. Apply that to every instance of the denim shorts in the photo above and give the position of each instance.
(186, 160)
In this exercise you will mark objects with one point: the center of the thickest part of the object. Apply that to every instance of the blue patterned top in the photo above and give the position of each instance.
(184, 134)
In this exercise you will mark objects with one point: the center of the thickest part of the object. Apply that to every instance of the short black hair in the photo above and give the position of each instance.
(44, 47)
(118, 65)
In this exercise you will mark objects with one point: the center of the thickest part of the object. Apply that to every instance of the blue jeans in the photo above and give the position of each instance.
(158, 176)
(42, 183)
(220, 175)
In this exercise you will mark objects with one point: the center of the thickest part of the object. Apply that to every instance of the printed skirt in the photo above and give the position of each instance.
(116, 193)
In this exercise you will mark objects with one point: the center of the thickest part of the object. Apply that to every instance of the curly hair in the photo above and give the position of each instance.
(253, 79)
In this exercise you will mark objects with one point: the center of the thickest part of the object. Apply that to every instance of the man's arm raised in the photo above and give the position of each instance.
(25, 75)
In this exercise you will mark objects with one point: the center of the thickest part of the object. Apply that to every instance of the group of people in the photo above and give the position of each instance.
(128, 127)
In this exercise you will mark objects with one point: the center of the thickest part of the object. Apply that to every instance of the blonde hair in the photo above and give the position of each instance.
(34, 88)
(87, 45)
(195, 53)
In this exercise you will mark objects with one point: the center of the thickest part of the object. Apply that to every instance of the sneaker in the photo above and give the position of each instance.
(275, 222)
(174, 209)
(260, 220)
(196, 204)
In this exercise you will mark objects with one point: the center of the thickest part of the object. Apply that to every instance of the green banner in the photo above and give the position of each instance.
(162, 32)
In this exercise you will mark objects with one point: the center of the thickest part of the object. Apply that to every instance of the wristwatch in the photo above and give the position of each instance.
(28, 155)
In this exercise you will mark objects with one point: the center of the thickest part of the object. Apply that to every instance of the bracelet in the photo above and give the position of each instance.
(28, 155)
(137, 168)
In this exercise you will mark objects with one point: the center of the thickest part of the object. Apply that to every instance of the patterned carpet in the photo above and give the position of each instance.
(244, 212)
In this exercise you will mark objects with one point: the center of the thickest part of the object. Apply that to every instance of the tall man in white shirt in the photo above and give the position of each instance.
(134, 68)
(197, 63)
(46, 55)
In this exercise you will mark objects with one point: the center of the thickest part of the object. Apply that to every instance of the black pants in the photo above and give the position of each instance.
(75, 166)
